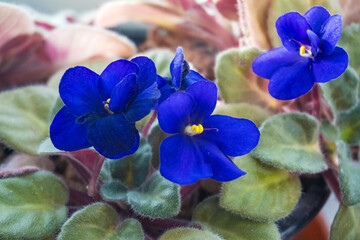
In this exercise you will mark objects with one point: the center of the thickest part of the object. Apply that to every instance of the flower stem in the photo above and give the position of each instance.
(333, 182)
(187, 190)
(94, 178)
(145, 131)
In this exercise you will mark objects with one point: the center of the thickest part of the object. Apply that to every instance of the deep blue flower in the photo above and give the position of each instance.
(101, 111)
(309, 53)
(181, 77)
(202, 143)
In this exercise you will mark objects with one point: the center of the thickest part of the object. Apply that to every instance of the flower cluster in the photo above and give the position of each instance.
(101, 111)
(309, 54)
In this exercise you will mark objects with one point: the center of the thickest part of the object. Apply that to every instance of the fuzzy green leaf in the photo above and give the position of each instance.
(237, 82)
(113, 190)
(349, 175)
(346, 225)
(158, 198)
(243, 110)
(263, 194)
(188, 234)
(162, 59)
(32, 206)
(330, 131)
(350, 41)
(156, 136)
(99, 221)
(229, 226)
(47, 147)
(290, 141)
(24, 117)
(342, 93)
(349, 123)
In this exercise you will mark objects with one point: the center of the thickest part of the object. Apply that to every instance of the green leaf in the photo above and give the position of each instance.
(156, 136)
(349, 123)
(263, 194)
(349, 175)
(47, 147)
(158, 198)
(188, 234)
(231, 227)
(113, 190)
(290, 141)
(350, 40)
(24, 117)
(130, 170)
(346, 225)
(243, 110)
(32, 206)
(237, 82)
(280, 7)
(342, 93)
(330, 131)
(162, 59)
(99, 221)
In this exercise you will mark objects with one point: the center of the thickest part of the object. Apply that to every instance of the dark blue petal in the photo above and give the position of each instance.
(66, 134)
(223, 169)
(124, 92)
(292, 28)
(191, 78)
(143, 103)
(314, 39)
(267, 63)
(79, 90)
(316, 17)
(293, 81)
(181, 162)
(174, 112)
(234, 136)
(113, 136)
(147, 72)
(113, 74)
(327, 67)
(205, 95)
(176, 68)
(330, 33)
(166, 91)
(162, 81)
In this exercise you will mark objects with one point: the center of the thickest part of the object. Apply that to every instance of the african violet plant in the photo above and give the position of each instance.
(164, 153)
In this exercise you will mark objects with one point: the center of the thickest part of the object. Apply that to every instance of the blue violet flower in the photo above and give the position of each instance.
(181, 77)
(201, 143)
(309, 53)
(101, 111)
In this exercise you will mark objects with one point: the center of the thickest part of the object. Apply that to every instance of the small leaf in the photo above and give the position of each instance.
(32, 206)
(237, 82)
(100, 221)
(162, 59)
(346, 225)
(349, 175)
(350, 41)
(349, 123)
(158, 198)
(113, 190)
(290, 141)
(342, 93)
(330, 131)
(215, 219)
(263, 194)
(47, 147)
(188, 234)
(243, 110)
(24, 116)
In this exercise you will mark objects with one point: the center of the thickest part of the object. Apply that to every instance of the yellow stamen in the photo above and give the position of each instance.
(106, 106)
(305, 52)
(302, 50)
(194, 129)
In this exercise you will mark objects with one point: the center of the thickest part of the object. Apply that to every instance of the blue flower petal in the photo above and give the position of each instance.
(174, 112)
(181, 162)
(330, 33)
(314, 39)
(113, 74)
(316, 17)
(234, 136)
(66, 134)
(162, 81)
(143, 103)
(191, 78)
(176, 68)
(205, 95)
(124, 92)
(147, 72)
(79, 91)
(113, 136)
(223, 169)
(292, 28)
(267, 63)
(328, 67)
(292, 81)
(166, 91)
